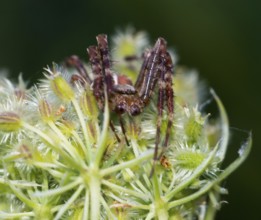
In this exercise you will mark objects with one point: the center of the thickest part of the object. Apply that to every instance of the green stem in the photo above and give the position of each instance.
(210, 213)
(12, 157)
(102, 145)
(191, 197)
(140, 185)
(84, 129)
(86, 204)
(133, 205)
(137, 153)
(23, 197)
(243, 154)
(74, 163)
(60, 190)
(145, 156)
(156, 187)
(110, 215)
(135, 147)
(95, 195)
(40, 134)
(67, 145)
(79, 140)
(15, 215)
(65, 207)
(224, 127)
(150, 216)
(160, 206)
(118, 188)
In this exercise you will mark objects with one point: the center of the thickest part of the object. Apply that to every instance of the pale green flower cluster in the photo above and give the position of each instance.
(59, 159)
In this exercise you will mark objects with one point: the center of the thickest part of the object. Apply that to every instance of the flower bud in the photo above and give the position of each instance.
(66, 127)
(92, 131)
(194, 125)
(62, 89)
(188, 159)
(45, 110)
(88, 104)
(10, 121)
(193, 130)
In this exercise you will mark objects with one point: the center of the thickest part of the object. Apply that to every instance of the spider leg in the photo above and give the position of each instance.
(105, 60)
(98, 88)
(160, 105)
(108, 79)
(151, 71)
(114, 131)
(123, 130)
(75, 62)
(142, 72)
(169, 96)
(157, 68)
(97, 85)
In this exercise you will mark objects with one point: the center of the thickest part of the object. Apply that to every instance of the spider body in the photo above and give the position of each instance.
(130, 103)
(123, 97)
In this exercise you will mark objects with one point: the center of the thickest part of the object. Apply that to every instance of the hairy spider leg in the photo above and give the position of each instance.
(157, 68)
(140, 78)
(114, 131)
(123, 129)
(105, 60)
(151, 74)
(98, 83)
(108, 79)
(84, 78)
(169, 96)
(75, 62)
(160, 106)
(167, 84)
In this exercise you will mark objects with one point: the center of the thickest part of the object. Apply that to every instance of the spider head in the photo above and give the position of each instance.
(134, 110)
(120, 108)
(129, 104)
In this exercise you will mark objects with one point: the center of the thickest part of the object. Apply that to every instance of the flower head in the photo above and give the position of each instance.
(64, 156)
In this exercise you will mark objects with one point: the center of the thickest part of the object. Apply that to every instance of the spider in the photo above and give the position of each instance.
(123, 97)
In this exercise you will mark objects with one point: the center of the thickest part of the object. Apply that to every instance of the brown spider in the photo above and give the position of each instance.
(123, 97)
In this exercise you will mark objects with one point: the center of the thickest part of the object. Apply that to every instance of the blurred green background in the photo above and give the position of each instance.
(221, 39)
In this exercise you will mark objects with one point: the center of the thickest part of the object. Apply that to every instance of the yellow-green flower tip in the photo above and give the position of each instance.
(189, 159)
(89, 105)
(127, 48)
(62, 89)
(92, 131)
(194, 126)
(193, 130)
(10, 122)
(67, 127)
(45, 110)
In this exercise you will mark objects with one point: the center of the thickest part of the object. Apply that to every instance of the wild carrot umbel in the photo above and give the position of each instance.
(68, 152)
